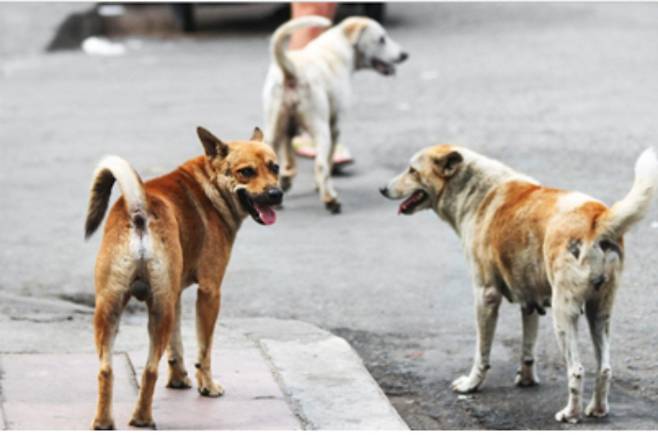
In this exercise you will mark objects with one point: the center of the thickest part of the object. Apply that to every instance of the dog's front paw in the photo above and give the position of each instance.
(333, 206)
(179, 383)
(597, 410)
(102, 424)
(211, 389)
(568, 415)
(142, 421)
(526, 377)
(465, 384)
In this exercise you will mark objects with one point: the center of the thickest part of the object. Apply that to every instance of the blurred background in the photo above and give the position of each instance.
(566, 92)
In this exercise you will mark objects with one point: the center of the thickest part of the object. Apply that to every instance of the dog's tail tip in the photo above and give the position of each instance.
(634, 206)
(646, 166)
(110, 169)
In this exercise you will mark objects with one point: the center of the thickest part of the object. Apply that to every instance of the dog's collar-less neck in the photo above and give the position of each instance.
(462, 196)
(358, 60)
(223, 199)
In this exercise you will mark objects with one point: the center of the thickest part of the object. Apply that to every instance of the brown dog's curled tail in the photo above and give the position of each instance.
(113, 168)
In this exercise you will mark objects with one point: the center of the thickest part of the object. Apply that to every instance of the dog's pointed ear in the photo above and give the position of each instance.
(448, 164)
(257, 135)
(213, 146)
(353, 27)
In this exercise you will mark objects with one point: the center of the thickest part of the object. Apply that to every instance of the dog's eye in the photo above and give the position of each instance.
(412, 171)
(275, 168)
(382, 40)
(247, 172)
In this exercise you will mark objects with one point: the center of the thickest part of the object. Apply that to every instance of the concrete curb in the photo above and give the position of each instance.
(305, 374)
(36, 304)
(325, 380)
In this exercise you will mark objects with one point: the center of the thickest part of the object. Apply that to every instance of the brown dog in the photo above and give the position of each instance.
(160, 237)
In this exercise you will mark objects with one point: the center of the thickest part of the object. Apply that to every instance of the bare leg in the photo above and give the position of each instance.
(565, 319)
(207, 310)
(599, 325)
(302, 37)
(526, 375)
(106, 325)
(161, 321)
(487, 300)
(177, 373)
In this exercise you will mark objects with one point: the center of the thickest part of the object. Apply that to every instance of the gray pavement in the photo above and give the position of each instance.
(277, 375)
(564, 92)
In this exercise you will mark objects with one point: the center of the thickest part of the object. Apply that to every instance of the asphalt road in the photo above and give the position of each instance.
(564, 92)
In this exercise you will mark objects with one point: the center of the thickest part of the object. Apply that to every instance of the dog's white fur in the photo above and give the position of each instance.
(131, 185)
(309, 89)
(535, 246)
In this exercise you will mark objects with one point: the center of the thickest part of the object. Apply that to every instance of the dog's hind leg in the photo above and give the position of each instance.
(162, 315)
(323, 163)
(566, 312)
(177, 373)
(207, 310)
(279, 133)
(335, 134)
(487, 300)
(289, 170)
(599, 325)
(527, 375)
(109, 304)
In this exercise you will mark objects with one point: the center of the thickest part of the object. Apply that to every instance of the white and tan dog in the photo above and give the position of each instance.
(533, 245)
(309, 89)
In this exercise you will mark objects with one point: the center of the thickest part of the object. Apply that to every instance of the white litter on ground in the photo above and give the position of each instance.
(111, 10)
(96, 46)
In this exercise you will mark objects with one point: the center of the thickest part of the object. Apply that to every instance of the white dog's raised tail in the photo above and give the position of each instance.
(113, 168)
(632, 208)
(282, 35)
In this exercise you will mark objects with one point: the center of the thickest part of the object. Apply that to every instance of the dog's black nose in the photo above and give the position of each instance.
(275, 195)
(403, 56)
(598, 281)
(384, 191)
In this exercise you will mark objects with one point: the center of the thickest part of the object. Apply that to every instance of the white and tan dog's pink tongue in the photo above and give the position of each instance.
(266, 214)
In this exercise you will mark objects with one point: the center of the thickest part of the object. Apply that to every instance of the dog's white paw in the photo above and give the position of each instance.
(597, 410)
(466, 384)
(568, 415)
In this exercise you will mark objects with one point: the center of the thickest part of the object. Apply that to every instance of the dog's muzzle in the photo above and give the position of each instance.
(260, 206)
(274, 196)
(388, 68)
(409, 205)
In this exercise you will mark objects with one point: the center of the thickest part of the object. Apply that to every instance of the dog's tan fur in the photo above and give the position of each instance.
(533, 245)
(160, 237)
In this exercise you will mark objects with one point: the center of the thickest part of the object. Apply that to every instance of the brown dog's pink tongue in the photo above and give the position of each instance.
(266, 214)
